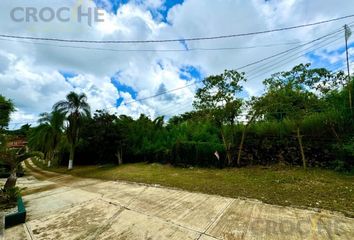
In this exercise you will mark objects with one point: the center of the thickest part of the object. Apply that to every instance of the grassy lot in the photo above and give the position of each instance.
(315, 188)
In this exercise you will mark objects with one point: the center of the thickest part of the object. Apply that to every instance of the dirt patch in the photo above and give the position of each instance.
(40, 189)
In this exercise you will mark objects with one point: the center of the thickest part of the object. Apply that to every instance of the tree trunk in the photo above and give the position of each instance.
(229, 156)
(119, 155)
(45, 156)
(11, 180)
(350, 101)
(71, 157)
(75, 139)
(120, 159)
(240, 147)
(299, 138)
(335, 133)
(350, 92)
(50, 157)
(243, 137)
(227, 149)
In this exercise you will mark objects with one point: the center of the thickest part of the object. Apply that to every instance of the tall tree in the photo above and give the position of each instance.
(218, 98)
(6, 108)
(75, 108)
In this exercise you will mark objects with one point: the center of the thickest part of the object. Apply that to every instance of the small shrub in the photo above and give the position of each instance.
(11, 195)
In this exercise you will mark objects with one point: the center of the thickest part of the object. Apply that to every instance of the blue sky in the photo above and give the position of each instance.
(169, 4)
(67, 75)
(111, 6)
(189, 72)
(322, 60)
(123, 88)
(47, 73)
(186, 73)
(160, 13)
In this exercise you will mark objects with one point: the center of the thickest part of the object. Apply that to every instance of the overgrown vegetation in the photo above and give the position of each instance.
(303, 118)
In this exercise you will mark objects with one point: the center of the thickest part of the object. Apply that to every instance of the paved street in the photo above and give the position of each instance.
(66, 207)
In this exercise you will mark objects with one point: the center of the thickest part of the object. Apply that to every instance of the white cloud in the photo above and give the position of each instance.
(30, 73)
(20, 118)
(100, 92)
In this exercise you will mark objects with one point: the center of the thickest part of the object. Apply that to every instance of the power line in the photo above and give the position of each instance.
(155, 50)
(177, 40)
(194, 83)
(185, 102)
(250, 64)
(286, 58)
(292, 58)
(164, 111)
(289, 50)
(254, 76)
(162, 93)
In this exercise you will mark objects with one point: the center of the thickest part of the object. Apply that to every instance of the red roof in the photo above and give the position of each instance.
(17, 143)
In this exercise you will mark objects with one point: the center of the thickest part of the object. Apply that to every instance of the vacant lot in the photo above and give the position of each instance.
(314, 188)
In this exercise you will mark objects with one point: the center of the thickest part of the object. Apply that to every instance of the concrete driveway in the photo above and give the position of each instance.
(65, 207)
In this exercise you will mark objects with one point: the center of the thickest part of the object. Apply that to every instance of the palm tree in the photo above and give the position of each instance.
(47, 135)
(75, 108)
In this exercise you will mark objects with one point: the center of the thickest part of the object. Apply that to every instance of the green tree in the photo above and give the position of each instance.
(289, 96)
(217, 98)
(329, 81)
(47, 136)
(75, 108)
(6, 108)
(101, 136)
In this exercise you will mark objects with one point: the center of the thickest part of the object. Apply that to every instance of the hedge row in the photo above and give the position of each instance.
(257, 150)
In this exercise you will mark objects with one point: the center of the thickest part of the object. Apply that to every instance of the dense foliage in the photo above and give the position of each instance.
(303, 118)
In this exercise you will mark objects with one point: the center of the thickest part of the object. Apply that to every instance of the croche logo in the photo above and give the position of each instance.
(82, 11)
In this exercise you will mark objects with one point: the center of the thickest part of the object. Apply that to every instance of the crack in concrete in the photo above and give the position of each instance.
(219, 215)
(29, 232)
(137, 196)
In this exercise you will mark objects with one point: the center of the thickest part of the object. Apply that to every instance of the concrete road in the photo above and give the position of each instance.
(65, 207)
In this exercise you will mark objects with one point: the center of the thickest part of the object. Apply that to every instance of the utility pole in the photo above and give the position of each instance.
(347, 33)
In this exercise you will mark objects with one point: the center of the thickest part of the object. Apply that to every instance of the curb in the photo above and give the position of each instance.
(18, 217)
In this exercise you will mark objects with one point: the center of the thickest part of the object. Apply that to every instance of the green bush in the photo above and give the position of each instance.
(345, 156)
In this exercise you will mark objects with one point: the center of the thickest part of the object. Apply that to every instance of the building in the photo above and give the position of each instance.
(17, 142)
